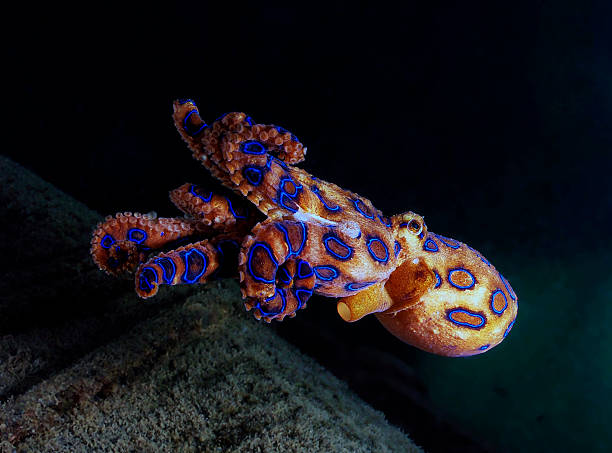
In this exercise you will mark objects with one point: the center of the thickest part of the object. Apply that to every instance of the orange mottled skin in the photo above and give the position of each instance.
(307, 236)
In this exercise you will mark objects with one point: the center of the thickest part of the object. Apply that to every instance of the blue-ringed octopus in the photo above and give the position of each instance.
(307, 236)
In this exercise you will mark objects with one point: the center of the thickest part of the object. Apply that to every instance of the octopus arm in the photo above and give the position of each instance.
(121, 242)
(191, 264)
(219, 212)
(275, 276)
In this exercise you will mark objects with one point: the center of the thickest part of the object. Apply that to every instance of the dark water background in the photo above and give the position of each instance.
(492, 121)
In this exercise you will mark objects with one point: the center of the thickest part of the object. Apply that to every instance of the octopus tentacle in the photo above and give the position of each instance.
(223, 213)
(232, 147)
(122, 242)
(192, 129)
(274, 277)
(191, 264)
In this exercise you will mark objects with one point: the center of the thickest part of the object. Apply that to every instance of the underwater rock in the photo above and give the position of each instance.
(85, 365)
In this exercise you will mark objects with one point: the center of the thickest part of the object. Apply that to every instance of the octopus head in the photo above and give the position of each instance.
(449, 300)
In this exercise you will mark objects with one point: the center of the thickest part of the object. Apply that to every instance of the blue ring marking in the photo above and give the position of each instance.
(445, 239)
(493, 305)
(298, 292)
(184, 101)
(466, 324)
(107, 241)
(304, 236)
(249, 120)
(288, 277)
(308, 273)
(387, 223)
(144, 283)
(168, 269)
(186, 258)
(360, 211)
(272, 313)
(277, 161)
(229, 202)
(253, 147)
(330, 237)
(285, 232)
(186, 128)
(460, 269)
(421, 235)
(508, 287)
(329, 278)
(396, 248)
(253, 174)
(283, 194)
(287, 202)
(292, 252)
(221, 117)
(136, 231)
(283, 199)
(284, 182)
(203, 198)
(380, 260)
(403, 225)
(316, 191)
(509, 328)
(282, 130)
(430, 245)
(484, 347)
(438, 280)
(479, 255)
(270, 254)
(297, 186)
(356, 286)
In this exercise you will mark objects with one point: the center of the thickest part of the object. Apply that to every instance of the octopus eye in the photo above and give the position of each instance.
(415, 226)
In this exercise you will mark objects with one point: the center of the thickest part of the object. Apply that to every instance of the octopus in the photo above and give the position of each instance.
(288, 235)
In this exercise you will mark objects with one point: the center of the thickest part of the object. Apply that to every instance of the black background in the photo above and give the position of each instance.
(491, 119)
